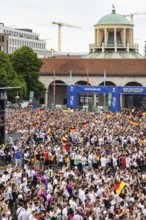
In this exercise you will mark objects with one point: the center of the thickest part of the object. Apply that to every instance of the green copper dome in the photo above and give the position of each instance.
(114, 18)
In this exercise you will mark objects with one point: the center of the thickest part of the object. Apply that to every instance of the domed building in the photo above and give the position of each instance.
(113, 52)
(114, 38)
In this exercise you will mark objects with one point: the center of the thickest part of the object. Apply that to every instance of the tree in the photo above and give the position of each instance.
(27, 65)
(8, 76)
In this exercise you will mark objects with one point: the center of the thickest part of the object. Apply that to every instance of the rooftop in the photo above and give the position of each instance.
(114, 67)
(114, 18)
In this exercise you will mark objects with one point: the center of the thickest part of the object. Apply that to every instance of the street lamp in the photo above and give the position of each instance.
(17, 98)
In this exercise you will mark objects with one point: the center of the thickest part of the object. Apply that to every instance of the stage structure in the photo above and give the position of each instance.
(115, 94)
(3, 98)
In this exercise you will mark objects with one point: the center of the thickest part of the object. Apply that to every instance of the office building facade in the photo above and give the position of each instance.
(17, 38)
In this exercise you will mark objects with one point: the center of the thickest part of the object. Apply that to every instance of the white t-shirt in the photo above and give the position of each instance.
(20, 212)
(103, 161)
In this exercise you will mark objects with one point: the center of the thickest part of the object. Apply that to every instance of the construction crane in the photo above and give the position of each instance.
(60, 25)
(131, 15)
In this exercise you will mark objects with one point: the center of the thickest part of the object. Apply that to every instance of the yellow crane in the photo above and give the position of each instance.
(131, 15)
(60, 25)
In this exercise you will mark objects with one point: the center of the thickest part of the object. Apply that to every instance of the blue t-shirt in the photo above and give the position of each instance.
(18, 155)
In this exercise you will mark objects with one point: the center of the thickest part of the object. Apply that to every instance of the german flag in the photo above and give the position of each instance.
(141, 140)
(134, 122)
(73, 129)
(21, 113)
(67, 158)
(97, 157)
(66, 110)
(119, 186)
(144, 113)
(128, 115)
(53, 158)
(85, 124)
(64, 139)
(49, 131)
(60, 173)
(109, 115)
(35, 124)
(41, 110)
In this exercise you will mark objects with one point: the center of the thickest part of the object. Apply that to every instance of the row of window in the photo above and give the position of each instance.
(16, 42)
(18, 34)
(39, 52)
(2, 39)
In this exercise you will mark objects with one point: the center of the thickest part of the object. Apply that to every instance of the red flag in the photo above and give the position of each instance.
(123, 162)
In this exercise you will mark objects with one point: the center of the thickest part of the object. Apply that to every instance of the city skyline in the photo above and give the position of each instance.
(39, 16)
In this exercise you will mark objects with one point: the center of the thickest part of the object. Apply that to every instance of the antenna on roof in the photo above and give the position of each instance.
(113, 11)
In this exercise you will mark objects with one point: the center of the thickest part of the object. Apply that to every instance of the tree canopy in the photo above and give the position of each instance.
(27, 66)
(8, 76)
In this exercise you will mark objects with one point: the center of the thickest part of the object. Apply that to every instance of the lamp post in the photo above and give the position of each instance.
(17, 99)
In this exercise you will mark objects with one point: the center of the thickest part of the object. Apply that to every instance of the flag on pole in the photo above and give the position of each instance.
(70, 78)
(104, 77)
(87, 78)
(54, 87)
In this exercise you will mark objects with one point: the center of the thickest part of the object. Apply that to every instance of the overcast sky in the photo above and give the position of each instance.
(39, 14)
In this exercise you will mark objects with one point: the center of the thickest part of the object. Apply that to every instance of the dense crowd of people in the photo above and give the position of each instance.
(69, 165)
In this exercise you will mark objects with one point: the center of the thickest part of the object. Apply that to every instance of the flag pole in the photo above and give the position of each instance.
(87, 85)
(54, 89)
(104, 92)
(71, 82)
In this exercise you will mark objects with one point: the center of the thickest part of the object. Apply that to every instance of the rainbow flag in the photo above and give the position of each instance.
(134, 122)
(73, 129)
(119, 186)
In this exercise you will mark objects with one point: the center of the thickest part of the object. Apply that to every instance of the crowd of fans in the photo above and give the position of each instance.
(67, 163)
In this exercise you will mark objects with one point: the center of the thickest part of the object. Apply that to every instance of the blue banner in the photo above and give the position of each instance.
(92, 89)
(72, 97)
(115, 91)
(132, 90)
(115, 100)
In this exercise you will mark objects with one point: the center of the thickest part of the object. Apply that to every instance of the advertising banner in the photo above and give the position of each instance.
(31, 95)
(72, 97)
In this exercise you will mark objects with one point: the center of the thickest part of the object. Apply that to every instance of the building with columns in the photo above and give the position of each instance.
(113, 52)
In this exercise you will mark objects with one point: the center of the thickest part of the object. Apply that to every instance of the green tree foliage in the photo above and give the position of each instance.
(8, 76)
(27, 65)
